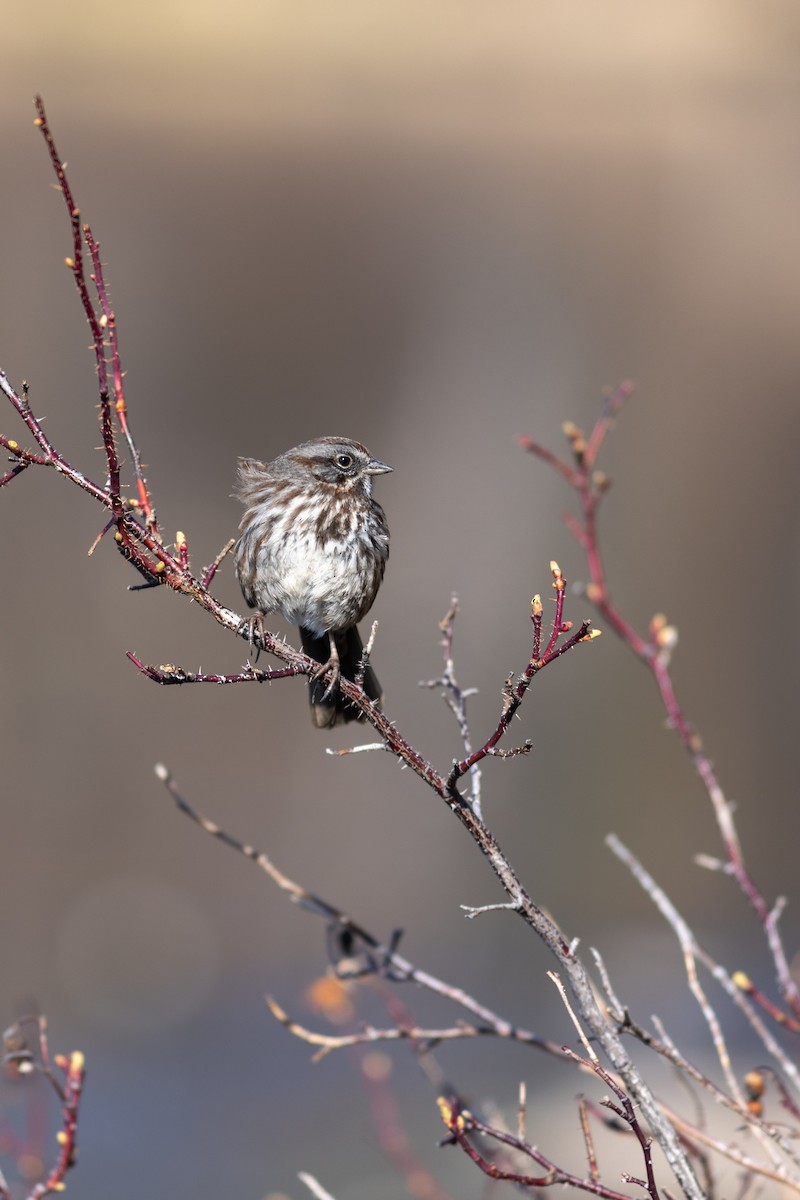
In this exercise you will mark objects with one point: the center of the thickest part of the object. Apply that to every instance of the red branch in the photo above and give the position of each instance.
(654, 652)
(141, 544)
(66, 1076)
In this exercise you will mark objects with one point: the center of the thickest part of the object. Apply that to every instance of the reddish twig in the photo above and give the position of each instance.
(746, 985)
(76, 265)
(654, 652)
(66, 1075)
(461, 1123)
(516, 694)
(108, 322)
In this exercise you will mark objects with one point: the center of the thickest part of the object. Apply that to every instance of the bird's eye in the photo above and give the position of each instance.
(345, 461)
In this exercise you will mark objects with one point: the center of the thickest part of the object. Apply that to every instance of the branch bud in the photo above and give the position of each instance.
(575, 437)
(755, 1084)
(69, 262)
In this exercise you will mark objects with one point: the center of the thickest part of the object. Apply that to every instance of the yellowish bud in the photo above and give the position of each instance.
(754, 1082)
(69, 262)
(12, 445)
(742, 981)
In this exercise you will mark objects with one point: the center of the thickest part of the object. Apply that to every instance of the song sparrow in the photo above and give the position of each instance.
(313, 547)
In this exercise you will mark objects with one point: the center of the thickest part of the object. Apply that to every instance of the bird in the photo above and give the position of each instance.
(313, 545)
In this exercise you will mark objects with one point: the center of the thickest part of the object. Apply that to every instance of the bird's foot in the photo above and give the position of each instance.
(332, 665)
(255, 625)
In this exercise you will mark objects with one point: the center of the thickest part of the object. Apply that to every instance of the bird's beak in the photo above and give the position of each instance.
(374, 467)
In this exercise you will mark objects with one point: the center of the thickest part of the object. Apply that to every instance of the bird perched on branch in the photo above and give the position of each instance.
(313, 547)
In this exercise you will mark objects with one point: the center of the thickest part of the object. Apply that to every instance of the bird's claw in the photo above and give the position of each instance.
(255, 625)
(331, 665)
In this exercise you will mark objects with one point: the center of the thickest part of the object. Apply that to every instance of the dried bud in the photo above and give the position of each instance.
(755, 1084)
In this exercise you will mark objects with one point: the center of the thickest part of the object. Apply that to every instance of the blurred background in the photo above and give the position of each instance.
(431, 228)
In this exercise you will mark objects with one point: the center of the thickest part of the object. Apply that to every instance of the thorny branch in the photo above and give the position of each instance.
(141, 543)
(138, 538)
